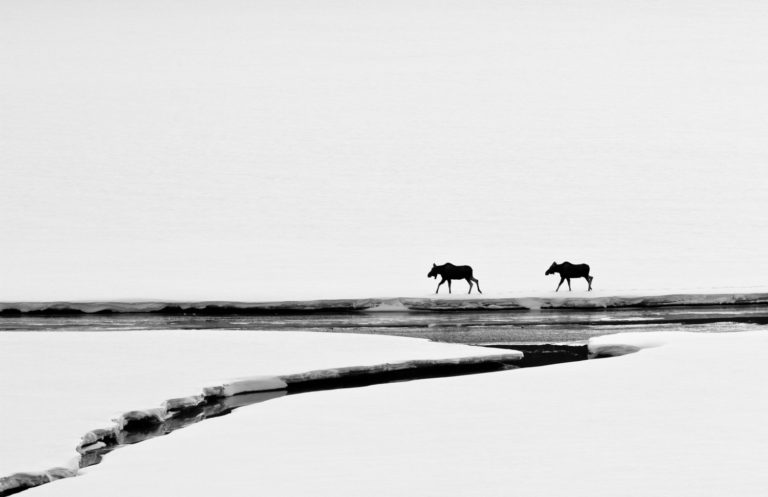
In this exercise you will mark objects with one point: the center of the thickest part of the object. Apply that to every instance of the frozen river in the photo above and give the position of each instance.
(471, 327)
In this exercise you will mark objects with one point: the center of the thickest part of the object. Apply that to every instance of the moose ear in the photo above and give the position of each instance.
(554, 262)
(434, 265)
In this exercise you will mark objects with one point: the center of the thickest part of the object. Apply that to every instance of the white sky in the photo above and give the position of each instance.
(278, 149)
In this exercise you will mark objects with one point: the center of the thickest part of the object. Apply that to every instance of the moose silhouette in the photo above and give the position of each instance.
(567, 271)
(450, 272)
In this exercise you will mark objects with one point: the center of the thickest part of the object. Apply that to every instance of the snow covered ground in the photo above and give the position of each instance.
(56, 387)
(684, 416)
(457, 301)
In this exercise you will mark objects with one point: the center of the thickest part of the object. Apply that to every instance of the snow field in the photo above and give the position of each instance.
(683, 416)
(93, 378)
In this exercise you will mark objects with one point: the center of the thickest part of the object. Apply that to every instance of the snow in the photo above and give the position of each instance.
(283, 150)
(584, 301)
(176, 306)
(56, 387)
(683, 416)
(579, 300)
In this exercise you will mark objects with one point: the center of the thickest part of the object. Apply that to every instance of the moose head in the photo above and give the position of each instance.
(551, 269)
(433, 271)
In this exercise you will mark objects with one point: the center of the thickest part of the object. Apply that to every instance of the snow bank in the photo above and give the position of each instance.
(564, 301)
(435, 303)
(206, 307)
(684, 416)
(58, 387)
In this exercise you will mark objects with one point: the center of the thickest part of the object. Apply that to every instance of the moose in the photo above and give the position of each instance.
(450, 272)
(567, 271)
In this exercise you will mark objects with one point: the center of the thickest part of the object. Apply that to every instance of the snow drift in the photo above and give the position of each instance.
(684, 416)
(89, 377)
(389, 304)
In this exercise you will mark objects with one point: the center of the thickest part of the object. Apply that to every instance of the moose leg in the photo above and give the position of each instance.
(469, 280)
(569, 284)
(561, 282)
(449, 286)
(438, 286)
(589, 282)
(478, 285)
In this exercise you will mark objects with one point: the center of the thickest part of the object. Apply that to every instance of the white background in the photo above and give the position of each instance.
(287, 149)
